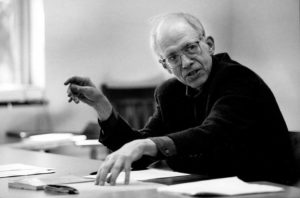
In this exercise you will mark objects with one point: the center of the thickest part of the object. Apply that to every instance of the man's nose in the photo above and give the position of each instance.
(186, 61)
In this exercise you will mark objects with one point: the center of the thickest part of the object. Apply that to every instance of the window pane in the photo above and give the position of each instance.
(21, 50)
(9, 66)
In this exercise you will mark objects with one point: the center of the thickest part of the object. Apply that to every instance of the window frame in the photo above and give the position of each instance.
(30, 27)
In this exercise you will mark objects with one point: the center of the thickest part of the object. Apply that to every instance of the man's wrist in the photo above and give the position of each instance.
(165, 146)
(104, 112)
(149, 147)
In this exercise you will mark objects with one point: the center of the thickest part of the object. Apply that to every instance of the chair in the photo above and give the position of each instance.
(295, 140)
(135, 104)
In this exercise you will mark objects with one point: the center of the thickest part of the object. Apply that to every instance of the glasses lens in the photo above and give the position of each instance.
(190, 49)
(173, 60)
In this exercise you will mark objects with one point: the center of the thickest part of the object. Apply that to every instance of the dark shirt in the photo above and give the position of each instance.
(233, 127)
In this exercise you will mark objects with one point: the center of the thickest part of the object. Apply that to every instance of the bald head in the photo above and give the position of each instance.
(167, 25)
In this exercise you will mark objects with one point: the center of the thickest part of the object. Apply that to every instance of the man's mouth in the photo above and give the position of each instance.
(193, 73)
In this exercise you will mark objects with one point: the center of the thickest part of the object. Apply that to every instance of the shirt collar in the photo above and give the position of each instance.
(191, 92)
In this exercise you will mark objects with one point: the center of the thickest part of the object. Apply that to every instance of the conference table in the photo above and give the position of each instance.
(67, 165)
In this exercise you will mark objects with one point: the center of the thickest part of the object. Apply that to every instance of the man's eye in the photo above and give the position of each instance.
(172, 58)
(191, 48)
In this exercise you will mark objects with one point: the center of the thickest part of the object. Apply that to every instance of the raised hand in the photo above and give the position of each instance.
(83, 89)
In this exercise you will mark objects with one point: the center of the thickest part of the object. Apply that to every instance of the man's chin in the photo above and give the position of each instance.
(196, 84)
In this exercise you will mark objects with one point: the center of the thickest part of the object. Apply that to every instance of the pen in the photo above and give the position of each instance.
(60, 189)
(93, 173)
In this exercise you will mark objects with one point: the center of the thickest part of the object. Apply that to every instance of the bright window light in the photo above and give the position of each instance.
(22, 54)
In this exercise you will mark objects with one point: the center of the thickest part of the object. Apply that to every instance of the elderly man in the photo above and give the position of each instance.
(216, 117)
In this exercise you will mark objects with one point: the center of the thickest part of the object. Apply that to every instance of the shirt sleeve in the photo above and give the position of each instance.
(109, 122)
(115, 132)
(165, 146)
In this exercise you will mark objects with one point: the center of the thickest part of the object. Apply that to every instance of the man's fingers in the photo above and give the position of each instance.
(108, 178)
(103, 172)
(74, 79)
(74, 89)
(79, 81)
(103, 175)
(81, 89)
(115, 171)
(76, 100)
(78, 90)
(127, 169)
(70, 99)
(98, 176)
(72, 96)
(69, 91)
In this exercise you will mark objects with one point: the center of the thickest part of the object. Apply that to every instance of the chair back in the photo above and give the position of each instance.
(135, 104)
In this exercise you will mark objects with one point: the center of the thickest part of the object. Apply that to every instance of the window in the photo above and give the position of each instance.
(22, 71)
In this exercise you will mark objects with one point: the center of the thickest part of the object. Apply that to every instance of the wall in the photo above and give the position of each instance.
(108, 42)
(266, 37)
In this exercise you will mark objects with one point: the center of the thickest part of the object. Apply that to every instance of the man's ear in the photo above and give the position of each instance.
(211, 44)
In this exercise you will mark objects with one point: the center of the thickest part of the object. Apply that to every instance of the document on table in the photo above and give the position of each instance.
(34, 183)
(142, 175)
(12, 170)
(224, 186)
(140, 189)
(49, 141)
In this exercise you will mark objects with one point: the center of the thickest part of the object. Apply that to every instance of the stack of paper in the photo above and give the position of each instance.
(225, 186)
(12, 170)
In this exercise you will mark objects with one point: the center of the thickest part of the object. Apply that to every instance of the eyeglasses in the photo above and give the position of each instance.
(189, 50)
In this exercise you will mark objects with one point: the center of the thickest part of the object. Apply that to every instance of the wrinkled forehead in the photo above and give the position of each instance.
(174, 32)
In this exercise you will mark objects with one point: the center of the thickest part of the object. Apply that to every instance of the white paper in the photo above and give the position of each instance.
(51, 137)
(89, 142)
(223, 186)
(11, 170)
(49, 141)
(142, 175)
(134, 189)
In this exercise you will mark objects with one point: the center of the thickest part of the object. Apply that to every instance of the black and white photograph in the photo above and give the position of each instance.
(149, 99)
